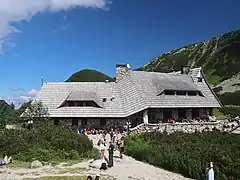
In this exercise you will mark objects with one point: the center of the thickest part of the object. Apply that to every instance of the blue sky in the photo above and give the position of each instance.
(69, 36)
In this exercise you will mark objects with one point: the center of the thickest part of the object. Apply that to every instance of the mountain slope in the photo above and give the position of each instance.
(88, 75)
(219, 58)
(4, 104)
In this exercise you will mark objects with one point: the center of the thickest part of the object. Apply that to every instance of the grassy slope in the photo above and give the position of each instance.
(219, 58)
(88, 75)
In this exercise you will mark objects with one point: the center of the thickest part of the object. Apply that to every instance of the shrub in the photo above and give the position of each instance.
(230, 110)
(45, 143)
(189, 154)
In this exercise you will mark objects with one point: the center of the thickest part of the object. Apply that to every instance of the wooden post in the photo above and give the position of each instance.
(145, 116)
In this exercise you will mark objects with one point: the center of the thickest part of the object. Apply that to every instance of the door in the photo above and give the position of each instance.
(167, 113)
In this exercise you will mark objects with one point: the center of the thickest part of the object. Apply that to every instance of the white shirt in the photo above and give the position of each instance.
(210, 174)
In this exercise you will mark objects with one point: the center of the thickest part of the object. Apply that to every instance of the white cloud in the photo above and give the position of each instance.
(19, 100)
(30, 94)
(13, 11)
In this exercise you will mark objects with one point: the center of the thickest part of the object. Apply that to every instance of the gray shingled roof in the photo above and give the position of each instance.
(137, 90)
(53, 94)
(142, 88)
(84, 96)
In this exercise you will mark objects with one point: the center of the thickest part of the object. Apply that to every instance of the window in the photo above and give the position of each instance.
(79, 104)
(84, 122)
(167, 113)
(75, 122)
(182, 113)
(71, 103)
(181, 93)
(169, 92)
(192, 93)
(103, 122)
(195, 113)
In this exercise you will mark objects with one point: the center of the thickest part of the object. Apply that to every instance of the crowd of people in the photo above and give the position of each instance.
(116, 143)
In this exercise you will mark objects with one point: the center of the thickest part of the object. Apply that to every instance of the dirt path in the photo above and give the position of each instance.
(124, 169)
(129, 168)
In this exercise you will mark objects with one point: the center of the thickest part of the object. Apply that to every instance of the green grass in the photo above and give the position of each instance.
(72, 170)
(217, 113)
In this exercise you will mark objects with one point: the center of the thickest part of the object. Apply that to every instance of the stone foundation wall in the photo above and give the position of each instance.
(95, 123)
(184, 127)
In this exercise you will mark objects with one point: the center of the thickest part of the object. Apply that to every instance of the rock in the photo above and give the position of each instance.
(36, 164)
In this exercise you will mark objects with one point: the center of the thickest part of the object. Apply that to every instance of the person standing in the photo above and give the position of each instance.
(121, 147)
(101, 144)
(110, 153)
(210, 172)
(111, 134)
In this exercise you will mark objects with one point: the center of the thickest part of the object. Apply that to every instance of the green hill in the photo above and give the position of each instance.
(4, 104)
(219, 58)
(88, 75)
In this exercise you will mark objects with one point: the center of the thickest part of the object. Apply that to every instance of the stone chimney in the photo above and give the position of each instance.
(121, 70)
(185, 69)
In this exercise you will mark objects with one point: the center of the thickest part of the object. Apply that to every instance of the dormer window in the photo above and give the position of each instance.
(79, 104)
(182, 93)
(82, 99)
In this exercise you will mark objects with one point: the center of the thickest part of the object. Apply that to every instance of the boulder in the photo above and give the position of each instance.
(36, 164)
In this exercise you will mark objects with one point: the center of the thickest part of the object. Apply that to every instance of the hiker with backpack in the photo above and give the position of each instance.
(120, 144)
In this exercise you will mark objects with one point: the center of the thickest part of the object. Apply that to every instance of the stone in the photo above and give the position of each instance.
(36, 164)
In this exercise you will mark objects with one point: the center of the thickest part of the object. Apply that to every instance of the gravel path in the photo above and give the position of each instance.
(129, 168)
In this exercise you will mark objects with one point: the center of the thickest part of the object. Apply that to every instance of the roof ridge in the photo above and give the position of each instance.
(144, 99)
(78, 83)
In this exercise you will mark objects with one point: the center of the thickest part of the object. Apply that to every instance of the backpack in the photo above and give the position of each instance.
(103, 166)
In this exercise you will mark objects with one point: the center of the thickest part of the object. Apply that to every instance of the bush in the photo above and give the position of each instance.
(189, 154)
(230, 98)
(230, 110)
(45, 143)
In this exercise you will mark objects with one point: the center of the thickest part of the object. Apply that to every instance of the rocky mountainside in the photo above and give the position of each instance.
(219, 58)
(88, 75)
